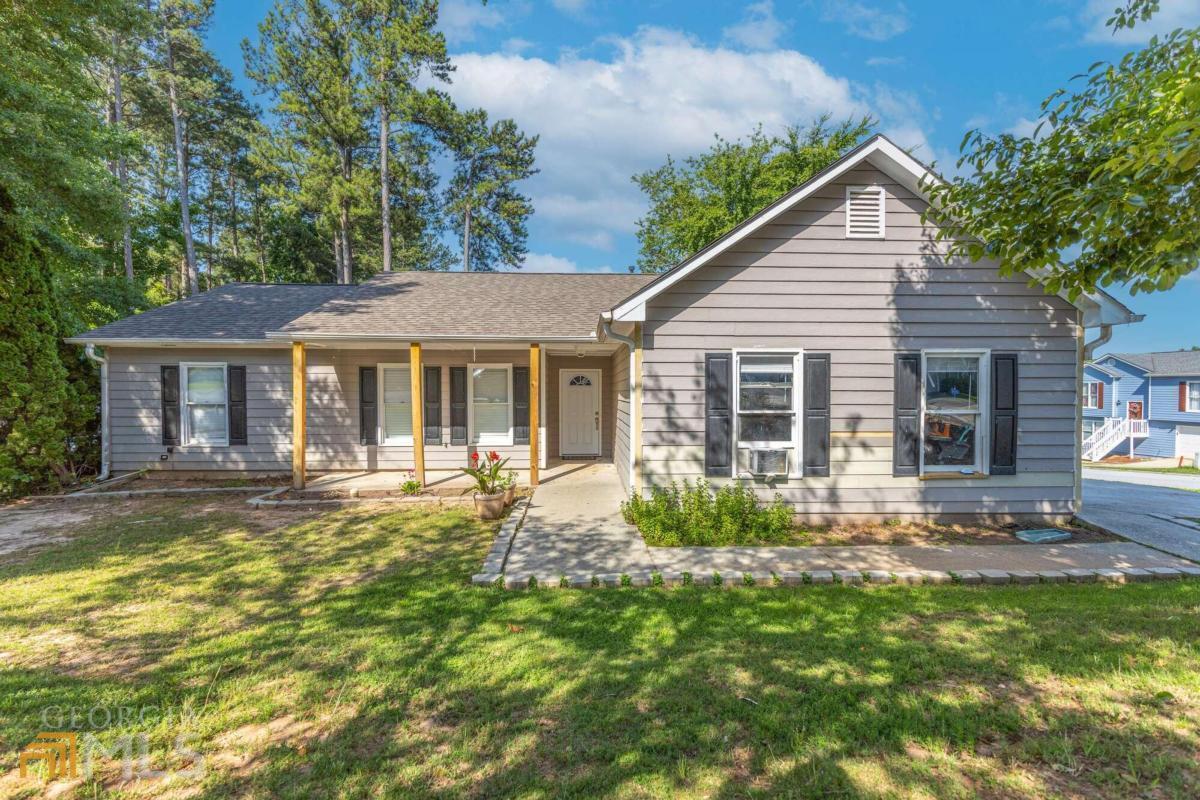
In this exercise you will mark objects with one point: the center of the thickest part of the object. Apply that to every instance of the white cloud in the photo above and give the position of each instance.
(759, 29)
(867, 21)
(1172, 14)
(547, 262)
(461, 20)
(885, 61)
(653, 94)
(570, 6)
(1023, 127)
(516, 45)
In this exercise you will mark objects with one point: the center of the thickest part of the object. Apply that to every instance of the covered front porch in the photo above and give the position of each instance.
(366, 413)
(437, 481)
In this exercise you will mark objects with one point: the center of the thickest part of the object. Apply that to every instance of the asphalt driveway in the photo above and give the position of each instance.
(1149, 508)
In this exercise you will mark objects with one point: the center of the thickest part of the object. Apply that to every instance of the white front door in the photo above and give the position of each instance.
(579, 412)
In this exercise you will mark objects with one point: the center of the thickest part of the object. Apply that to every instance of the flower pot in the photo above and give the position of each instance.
(489, 506)
(510, 494)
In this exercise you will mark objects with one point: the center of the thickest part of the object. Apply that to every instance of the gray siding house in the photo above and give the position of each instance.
(825, 349)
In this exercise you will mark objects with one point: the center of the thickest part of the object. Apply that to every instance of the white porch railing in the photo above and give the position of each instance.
(1112, 433)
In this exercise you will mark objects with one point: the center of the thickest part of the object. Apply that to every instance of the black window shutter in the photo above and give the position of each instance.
(520, 405)
(906, 422)
(236, 390)
(169, 380)
(458, 405)
(718, 414)
(433, 405)
(816, 414)
(1004, 414)
(368, 406)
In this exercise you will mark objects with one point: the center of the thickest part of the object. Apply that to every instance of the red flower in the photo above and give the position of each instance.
(474, 456)
(493, 456)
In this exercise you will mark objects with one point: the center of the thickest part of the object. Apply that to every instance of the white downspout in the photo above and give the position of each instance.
(105, 437)
(634, 435)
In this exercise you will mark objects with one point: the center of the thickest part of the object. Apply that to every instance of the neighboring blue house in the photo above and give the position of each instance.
(1144, 404)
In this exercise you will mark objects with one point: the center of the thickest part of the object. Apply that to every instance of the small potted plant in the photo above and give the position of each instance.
(411, 486)
(510, 487)
(489, 494)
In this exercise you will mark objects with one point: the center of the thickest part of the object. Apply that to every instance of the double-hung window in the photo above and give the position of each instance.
(490, 404)
(767, 397)
(1091, 394)
(205, 403)
(1193, 396)
(396, 387)
(954, 405)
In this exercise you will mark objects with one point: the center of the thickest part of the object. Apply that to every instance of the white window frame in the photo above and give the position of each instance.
(381, 436)
(982, 463)
(873, 187)
(1087, 395)
(490, 440)
(797, 443)
(185, 419)
(1191, 409)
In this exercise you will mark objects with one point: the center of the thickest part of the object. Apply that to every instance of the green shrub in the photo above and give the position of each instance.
(695, 515)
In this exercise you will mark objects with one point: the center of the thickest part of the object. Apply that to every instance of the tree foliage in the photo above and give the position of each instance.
(1106, 190)
(695, 202)
(134, 172)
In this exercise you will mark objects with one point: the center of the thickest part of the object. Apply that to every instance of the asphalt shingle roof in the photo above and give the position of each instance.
(235, 311)
(483, 304)
(400, 304)
(1174, 362)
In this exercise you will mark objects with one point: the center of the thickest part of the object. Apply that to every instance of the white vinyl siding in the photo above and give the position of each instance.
(205, 403)
(490, 404)
(396, 389)
(865, 209)
(1091, 394)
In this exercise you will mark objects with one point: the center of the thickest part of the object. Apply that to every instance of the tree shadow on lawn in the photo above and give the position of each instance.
(420, 685)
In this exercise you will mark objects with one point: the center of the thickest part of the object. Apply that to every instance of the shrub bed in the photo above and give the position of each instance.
(696, 515)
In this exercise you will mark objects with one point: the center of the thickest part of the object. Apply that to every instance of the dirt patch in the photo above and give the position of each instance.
(903, 532)
(36, 526)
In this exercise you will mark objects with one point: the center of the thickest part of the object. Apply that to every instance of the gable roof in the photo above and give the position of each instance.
(1099, 308)
(236, 313)
(1101, 368)
(398, 305)
(466, 305)
(1170, 362)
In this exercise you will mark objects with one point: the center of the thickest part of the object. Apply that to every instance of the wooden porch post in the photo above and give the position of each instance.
(535, 380)
(299, 412)
(418, 410)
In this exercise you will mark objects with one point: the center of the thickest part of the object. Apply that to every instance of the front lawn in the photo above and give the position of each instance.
(343, 654)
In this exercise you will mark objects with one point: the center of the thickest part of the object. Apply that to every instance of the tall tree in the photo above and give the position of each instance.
(1106, 190)
(399, 44)
(696, 201)
(304, 60)
(490, 213)
(180, 47)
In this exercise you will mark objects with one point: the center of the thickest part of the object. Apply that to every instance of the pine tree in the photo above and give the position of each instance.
(304, 60)
(489, 212)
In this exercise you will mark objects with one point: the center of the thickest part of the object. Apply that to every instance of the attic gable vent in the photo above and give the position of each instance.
(864, 212)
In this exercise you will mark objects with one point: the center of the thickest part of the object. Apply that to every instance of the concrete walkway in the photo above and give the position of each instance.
(574, 527)
(1141, 507)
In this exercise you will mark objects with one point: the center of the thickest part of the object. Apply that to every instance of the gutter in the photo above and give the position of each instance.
(606, 328)
(298, 336)
(1089, 348)
(105, 435)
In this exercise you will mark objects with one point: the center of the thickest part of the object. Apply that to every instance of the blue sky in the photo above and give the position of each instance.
(612, 88)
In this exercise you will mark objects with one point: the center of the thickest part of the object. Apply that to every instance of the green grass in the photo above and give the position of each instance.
(1159, 470)
(344, 655)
